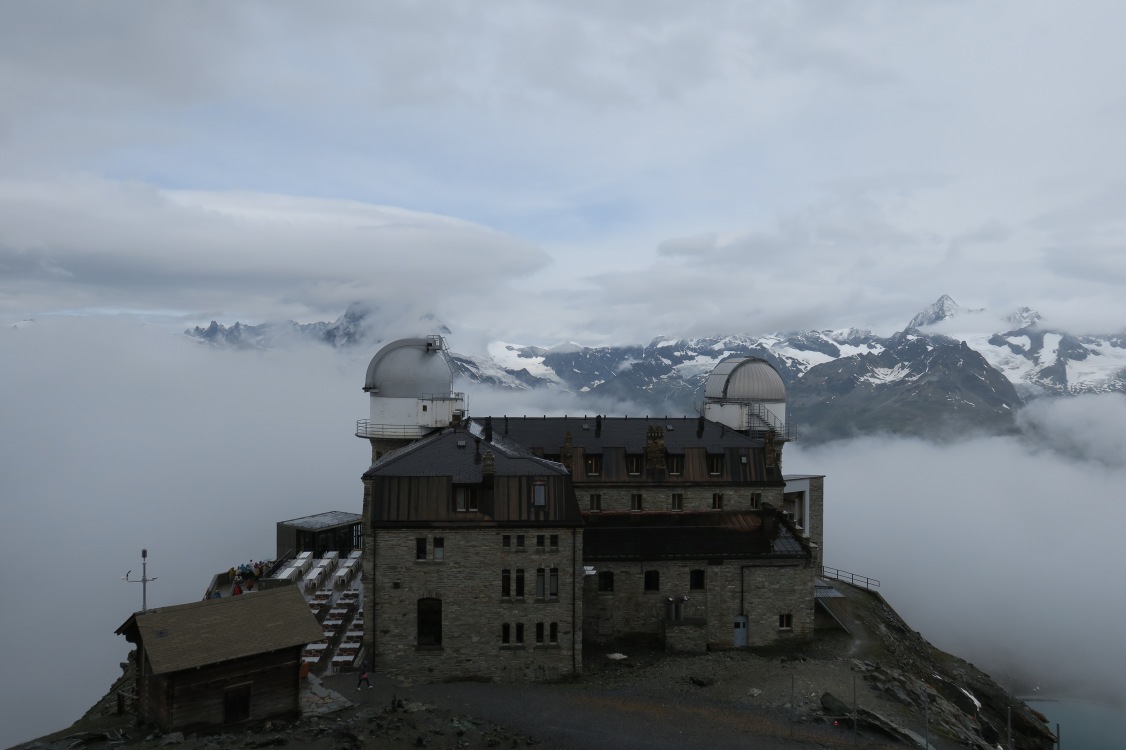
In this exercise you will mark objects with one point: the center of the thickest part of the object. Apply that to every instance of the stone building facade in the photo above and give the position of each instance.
(475, 549)
(495, 546)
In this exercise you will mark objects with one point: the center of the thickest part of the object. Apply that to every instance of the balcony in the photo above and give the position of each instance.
(365, 428)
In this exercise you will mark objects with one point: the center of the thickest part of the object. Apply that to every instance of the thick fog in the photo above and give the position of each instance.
(1003, 551)
(118, 437)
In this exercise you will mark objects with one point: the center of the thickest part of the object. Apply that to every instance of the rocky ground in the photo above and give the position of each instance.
(901, 688)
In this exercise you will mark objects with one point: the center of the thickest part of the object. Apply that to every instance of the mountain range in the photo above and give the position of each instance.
(943, 375)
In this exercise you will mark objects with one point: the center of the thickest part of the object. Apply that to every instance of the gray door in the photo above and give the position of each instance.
(740, 631)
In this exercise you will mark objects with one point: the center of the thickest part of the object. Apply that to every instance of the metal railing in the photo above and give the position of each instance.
(367, 428)
(761, 421)
(846, 577)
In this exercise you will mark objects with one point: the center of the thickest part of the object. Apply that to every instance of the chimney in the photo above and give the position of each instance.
(488, 429)
(654, 449)
(568, 450)
(476, 451)
(598, 426)
(505, 424)
(489, 468)
(700, 426)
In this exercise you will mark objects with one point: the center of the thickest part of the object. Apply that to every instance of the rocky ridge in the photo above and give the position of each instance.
(800, 697)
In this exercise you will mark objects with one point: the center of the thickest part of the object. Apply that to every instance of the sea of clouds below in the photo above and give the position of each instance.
(118, 436)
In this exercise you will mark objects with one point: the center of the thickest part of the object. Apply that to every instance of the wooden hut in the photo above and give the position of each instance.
(213, 663)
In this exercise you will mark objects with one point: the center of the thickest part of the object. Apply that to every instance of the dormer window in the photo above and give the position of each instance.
(465, 499)
(593, 464)
(633, 464)
(715, 464)
(675, 464)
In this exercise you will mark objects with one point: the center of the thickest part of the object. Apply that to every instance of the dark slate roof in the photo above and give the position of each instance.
(324, 520)
(707, 534)
(458, 452)
(620, 432)
(217, 630)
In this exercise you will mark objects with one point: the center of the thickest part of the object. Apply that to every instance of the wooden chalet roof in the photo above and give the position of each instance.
(693, 535)
(217, 630)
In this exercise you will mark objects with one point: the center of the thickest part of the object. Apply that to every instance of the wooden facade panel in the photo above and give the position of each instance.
(431, 500)
(615, 464)
(194, 700)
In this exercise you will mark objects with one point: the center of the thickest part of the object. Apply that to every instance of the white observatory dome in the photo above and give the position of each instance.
(410, 368)
(745, 379)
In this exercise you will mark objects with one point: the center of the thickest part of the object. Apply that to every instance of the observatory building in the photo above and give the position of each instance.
(747, 394)
(494, 547)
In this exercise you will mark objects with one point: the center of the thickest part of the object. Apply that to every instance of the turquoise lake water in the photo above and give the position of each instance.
(1083, 725)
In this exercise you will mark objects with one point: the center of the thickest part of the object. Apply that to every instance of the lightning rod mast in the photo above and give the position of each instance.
(143, 580)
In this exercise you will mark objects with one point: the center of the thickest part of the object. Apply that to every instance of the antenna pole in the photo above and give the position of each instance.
(143, 580)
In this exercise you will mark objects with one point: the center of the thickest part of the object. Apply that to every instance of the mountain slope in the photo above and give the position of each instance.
(841, 382)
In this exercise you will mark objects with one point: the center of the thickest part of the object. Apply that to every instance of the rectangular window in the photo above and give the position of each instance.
(541, 540)
(506, 541)
(715, 464)
(652, 580)
(553, 583)
(554, 541)
(786, 621)
(756, 500)
(595, 501)
(696, 580)
(541, 583)
(439, 548)
(465, 499)
(593, 464)
(553, 632)
(519, 541)
(420, 548)
(717, 501)
(677, 501)
(633, 464)
(539, 494)
(519, 633)
(506, 582)
(635, 501)
(429, 622)
(506, 633)
(539, 632)
(519, 583)
(606, 580)
(675, 464)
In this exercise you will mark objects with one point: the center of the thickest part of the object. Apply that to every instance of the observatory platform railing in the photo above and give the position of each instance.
(761, 421)
(365, 428)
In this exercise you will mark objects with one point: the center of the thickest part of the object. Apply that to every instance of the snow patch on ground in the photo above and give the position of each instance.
(880, 375)
(508, 356)
(1050, 352)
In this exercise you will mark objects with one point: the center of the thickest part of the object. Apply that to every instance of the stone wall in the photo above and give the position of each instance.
(817, 519)
(686, 636)
(467, 581)
(763, 592)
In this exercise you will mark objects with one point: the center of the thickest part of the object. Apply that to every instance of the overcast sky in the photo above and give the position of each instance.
(601, 172)
(593, 171)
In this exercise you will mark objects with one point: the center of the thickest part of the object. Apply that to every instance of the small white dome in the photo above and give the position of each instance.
(745, 379)
(410, 368)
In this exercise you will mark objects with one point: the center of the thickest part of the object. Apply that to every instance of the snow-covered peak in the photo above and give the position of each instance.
(1022, 317)
(943, 308)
